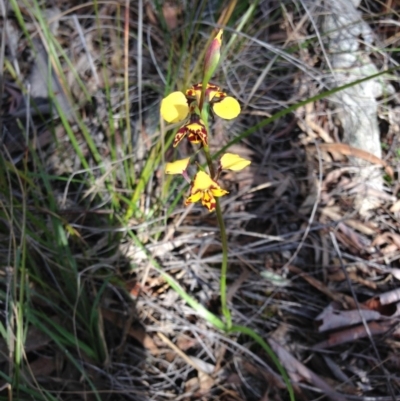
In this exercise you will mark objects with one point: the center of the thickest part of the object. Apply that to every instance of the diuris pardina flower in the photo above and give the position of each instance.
(204, 188)
(177, 106)
(223, 106)
(174, 108)
(191, 109)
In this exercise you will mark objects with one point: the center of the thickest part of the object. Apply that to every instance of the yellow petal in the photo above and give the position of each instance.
(194, 198)
(202, 182)
(227, 108)
(219, 192)
(174, 107)
(177, 167)
(230, 161)
(218, 37)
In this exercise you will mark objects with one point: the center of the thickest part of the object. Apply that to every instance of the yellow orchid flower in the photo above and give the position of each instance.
(176, 106)
(230, 161)
(195, 131)
(224, 106)
(177, 167)
(204, 188)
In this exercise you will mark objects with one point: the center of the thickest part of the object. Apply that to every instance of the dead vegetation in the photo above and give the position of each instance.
(86, 315)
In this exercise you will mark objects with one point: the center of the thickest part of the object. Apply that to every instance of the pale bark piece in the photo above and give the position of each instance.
(390, 297)
(300, 373)
(331, 318)
(354, 333)
(356, 107)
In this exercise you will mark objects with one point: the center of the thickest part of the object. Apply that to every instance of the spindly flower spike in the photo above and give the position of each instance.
(204, 188)
(230, 161)
(192, 109)
(224, 106)
(195, 131)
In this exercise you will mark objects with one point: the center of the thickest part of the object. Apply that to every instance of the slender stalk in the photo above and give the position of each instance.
(224, 241)
(224, 266)
(210, 165)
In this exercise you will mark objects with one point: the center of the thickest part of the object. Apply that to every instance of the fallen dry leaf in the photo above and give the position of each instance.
(345, 300)
(336, 273)
(300, 373)
(135, 332)
(356, 240)
(353, 334)
(348, 150)
(334, 214)
(395, 207)
(387, 238)
(395, 272)
(332, 318)
(389, 297)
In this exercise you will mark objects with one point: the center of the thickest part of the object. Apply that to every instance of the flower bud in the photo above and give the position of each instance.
(212, 56)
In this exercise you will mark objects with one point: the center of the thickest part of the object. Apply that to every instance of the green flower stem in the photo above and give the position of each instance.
(203, 101)
(224, 267)
(203, 93)
(224, 241)
(210, 165)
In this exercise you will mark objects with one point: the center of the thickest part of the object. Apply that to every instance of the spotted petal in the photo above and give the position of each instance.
(195, 130)
(208, 201)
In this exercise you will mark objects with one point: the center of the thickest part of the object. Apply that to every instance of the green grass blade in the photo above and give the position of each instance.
(199, 308)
